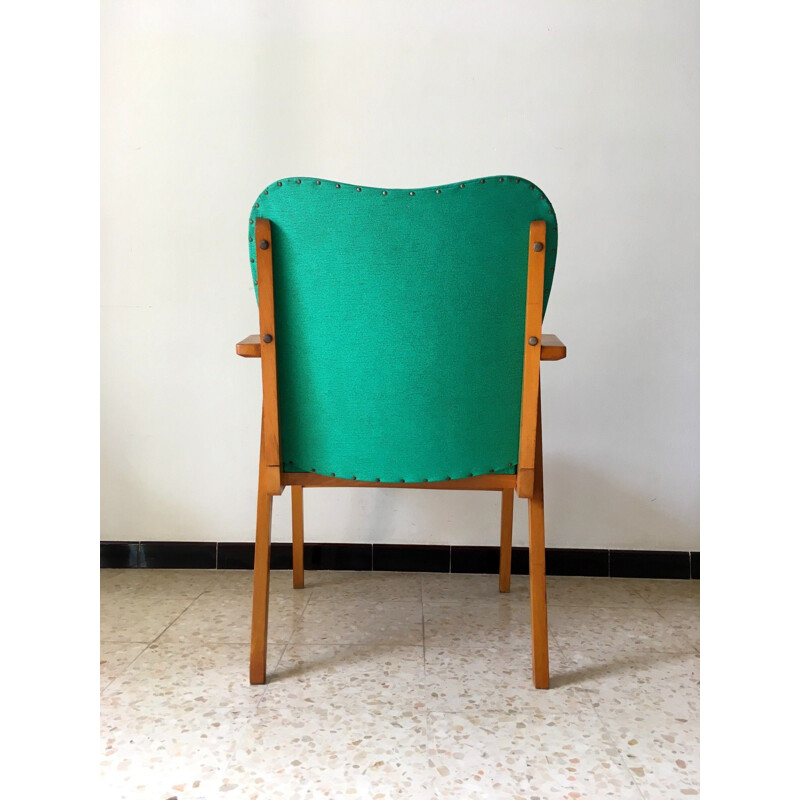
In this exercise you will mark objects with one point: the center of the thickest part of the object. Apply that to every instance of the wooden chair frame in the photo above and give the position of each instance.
(528, 480)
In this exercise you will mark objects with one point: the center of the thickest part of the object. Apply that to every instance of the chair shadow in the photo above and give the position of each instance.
(587, 672)
(344, 652)
(561, 680)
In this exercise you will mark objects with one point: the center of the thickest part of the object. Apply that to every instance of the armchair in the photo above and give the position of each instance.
(400, 340)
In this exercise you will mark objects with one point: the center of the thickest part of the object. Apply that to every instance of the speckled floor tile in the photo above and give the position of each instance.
(456, 588)
(220, 617)
(621, 631)
(187, 678)
(478, 623)
(561, 591)
(379, 587)
(662, 754)
(115, 657)
(329, 753)
(666, 593)
(534, 756)
(240, 581)
(348, 677)
(172, 718)
(594, 592)
(640, 685)
(496, 679)
(685, 621)
(359, 704)
(158, 582)
(191, 582)
(135, 617)
(359, 622)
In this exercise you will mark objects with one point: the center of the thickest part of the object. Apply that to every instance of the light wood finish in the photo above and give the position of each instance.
(536, 556)
(298, 574)
(524, 483)
(491, 482)
(249, 347)
(534, 305)
(258, 631)
(269, 373)
(553, 349)
(506, 527)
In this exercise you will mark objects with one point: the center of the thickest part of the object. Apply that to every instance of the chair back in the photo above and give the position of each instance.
(399, 324)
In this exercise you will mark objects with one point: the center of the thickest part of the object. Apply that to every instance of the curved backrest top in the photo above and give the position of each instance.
(491, 197)
(399, 318)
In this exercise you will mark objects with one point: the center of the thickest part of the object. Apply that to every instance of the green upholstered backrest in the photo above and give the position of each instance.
(399, 324)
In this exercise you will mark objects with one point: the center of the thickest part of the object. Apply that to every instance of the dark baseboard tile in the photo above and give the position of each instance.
(336, 556)
(559, 561)
(695, 563)
(411, 557)
(178, 555)
(240, 555)
(402, 558)
(119, 554)
(577, 561)
(475, 559)
(650, 564)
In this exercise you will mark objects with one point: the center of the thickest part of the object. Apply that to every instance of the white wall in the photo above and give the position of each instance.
(204, 103)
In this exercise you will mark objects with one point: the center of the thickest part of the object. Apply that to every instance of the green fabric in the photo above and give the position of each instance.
(400, 320)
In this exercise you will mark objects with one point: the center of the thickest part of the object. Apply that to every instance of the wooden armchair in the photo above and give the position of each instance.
(400, 342)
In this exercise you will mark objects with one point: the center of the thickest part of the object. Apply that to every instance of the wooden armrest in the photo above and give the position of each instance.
(249, 347)
(553, 349)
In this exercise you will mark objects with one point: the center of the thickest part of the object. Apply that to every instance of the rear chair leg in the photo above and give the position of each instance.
(506, 522)
(298, 576)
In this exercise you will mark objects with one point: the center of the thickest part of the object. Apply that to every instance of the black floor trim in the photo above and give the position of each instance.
(650, 564)
(475, 559)
(178, 555)
(240, 555)
(402, 558)
(119, 554)
(695, 561)
(411, 558)
(337, 556)
(564, 561)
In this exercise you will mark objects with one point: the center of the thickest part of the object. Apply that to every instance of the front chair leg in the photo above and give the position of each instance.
(258, 634)
(506, 523)
(541, 663)
(298, 576)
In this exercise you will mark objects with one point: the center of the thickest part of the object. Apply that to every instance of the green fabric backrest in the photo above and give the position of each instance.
(399, 317)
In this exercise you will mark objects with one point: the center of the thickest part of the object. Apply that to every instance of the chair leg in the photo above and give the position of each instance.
(258, 632)
(541, 664)
(506, 523)
(298, 576)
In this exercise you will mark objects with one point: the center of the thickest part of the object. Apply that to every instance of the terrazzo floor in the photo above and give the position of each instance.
(396, 685)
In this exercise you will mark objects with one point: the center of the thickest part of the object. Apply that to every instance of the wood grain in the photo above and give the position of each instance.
(269, 372)
(536, 556)
(298, 574)
(530, 371)
(506, 529)
(260, 617)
